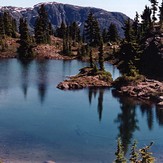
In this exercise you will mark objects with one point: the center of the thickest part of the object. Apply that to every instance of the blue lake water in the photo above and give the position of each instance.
(39, 122)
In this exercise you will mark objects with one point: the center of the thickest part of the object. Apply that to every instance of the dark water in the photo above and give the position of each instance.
(39, 122)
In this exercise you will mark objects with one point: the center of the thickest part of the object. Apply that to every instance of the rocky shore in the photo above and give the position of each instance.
(148, 89)
(87, 78)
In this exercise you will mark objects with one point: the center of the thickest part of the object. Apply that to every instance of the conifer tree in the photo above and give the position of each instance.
(154, 4)
(7, 23)
(91, 58)
(120, 158)
(134, 153)
(61, 31)
(136, 27)
(161, 14)
(42, 35)
(128, 31)
(146, 20)
(92, 30)
(2, 30)
(25, 48)
(113, 33)
(101, 56)
(104, 35)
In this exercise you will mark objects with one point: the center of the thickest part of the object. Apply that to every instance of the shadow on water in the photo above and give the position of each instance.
(92, 92)
(25, 64)
(42, 70)
(128, 118)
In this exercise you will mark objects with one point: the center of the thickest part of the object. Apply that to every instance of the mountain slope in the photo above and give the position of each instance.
(68, 13)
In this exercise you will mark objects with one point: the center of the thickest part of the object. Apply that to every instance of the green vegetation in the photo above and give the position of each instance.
(25, 48)
(142, 155)
(42, 31)
(141, 48)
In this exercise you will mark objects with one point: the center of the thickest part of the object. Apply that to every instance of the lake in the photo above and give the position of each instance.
(39, 122)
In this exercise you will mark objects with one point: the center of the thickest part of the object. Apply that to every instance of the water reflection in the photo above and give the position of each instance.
(159, 115)
(42, 69)
(148, 110)
(25, 64)
(92, 92)
(128, 122)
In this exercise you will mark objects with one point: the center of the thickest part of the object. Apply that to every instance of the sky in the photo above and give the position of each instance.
(128, 7)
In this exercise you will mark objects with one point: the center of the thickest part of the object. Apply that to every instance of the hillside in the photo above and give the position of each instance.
(68, 13)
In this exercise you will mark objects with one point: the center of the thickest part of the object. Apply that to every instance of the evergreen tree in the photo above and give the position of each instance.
(136, 27)
(92, 31)
(75, 32)
(128, 31)
(161, 14)
(146, 20)
(101, 57)
(120, 158)
(104, 35)
(154, 4)
(7, 23)
(2, 30)
(25, 48)
(61, 31)
(91, 59)
(134, 153)
(42, 35)
(112, 33)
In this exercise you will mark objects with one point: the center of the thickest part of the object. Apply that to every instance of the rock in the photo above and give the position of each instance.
(63, 85)
(49, 161)
(160, 104)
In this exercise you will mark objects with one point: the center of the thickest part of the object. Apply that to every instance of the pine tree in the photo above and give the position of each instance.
(92, 30)
(61, 31)
(161, 14)
(134, 153)
(112, 33)
(7, 23)
(104, 35)
(136, 27)
(101, 57)
(128, 31)
(154, 4)
(91, 58)
(146, 20)
(42, 35)
(25, 48)
(120, 158)
(2, 30)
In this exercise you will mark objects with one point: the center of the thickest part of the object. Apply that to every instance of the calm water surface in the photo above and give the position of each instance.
(39, 122)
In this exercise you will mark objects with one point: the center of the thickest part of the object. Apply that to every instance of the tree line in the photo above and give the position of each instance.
(71, 33)
(141, 50)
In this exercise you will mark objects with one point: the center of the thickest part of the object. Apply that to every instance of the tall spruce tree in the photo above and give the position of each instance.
(92, 31)
(42, 35)
(61, 31)
(101, 56)
(161, 14)
(146, 20)
(25, 48)
(7, 24)
(113, 33)
(2, 30)
(154, 4)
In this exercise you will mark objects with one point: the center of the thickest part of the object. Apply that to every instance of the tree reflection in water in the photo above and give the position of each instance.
(93, 92)
(25, 64)
(42, 69)
(128, 122)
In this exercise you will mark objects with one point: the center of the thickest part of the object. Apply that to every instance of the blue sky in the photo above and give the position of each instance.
(128, 7)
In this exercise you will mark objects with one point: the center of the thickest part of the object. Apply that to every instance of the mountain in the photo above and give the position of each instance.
(68, 13)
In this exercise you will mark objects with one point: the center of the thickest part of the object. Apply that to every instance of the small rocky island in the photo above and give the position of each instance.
(88, 77)
(140, 88)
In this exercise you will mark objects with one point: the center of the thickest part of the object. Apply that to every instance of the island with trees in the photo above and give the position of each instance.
(139, 55)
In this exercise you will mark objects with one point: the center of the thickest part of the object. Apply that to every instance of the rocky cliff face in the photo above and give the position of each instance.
(68, 13)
